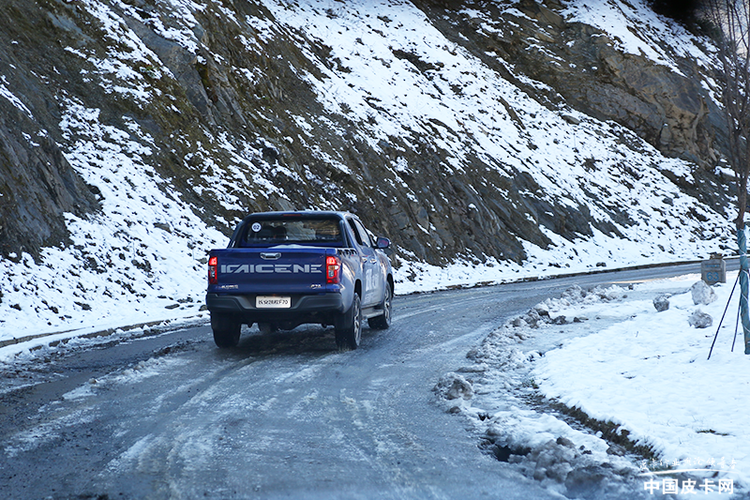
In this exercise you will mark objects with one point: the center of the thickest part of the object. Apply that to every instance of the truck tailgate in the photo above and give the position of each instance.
(289, 269)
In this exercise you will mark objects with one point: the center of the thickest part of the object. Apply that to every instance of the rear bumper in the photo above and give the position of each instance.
(305, 308)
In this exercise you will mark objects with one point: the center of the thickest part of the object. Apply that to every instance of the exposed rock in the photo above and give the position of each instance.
(542, 309)
(560, 320)
(669, 110)
(661, 302)
(37, 186)
(702, 293)
(700, 319)
(533, 319)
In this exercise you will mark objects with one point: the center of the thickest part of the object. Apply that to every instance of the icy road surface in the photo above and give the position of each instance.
(281, 416)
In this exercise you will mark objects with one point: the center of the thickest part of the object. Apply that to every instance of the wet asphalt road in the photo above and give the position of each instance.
(286, 415)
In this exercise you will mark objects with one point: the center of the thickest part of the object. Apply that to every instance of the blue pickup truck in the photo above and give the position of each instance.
(283, 269)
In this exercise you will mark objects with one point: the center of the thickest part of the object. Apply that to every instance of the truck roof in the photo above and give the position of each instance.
(307, 213)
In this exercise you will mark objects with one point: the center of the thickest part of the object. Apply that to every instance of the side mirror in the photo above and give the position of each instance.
(383, 243)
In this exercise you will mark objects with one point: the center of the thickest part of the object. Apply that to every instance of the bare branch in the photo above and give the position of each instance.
(731, 18)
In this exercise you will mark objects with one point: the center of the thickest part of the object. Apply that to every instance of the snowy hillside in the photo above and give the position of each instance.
(476, 171)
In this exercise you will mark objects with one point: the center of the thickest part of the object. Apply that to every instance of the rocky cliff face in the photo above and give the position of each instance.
(583, 68)
(37, 183)
(224, 101)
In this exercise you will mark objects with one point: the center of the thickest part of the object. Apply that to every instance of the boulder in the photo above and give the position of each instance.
(702, 293)
(699, 319)
(661, 302)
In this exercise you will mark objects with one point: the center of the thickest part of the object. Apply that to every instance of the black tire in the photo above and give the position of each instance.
(384, 321)
(226, 330)
(349, 326)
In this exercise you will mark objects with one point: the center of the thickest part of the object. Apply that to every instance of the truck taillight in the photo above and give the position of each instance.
(333, 270)
(213, 270)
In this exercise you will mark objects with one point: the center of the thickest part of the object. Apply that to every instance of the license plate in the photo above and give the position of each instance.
(262, 302)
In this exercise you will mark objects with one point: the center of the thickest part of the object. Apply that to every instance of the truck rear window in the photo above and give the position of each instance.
(290, 231)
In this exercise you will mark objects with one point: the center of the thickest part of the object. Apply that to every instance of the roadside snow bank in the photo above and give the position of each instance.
(596, 391)
(650, 375)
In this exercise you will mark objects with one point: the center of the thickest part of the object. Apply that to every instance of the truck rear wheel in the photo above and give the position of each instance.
(349, 326)
(384, 320)
(226, 330)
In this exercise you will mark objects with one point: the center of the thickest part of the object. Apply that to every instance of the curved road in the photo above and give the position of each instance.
(282, 416)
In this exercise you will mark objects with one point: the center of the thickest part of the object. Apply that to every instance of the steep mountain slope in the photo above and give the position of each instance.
(511, 138)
